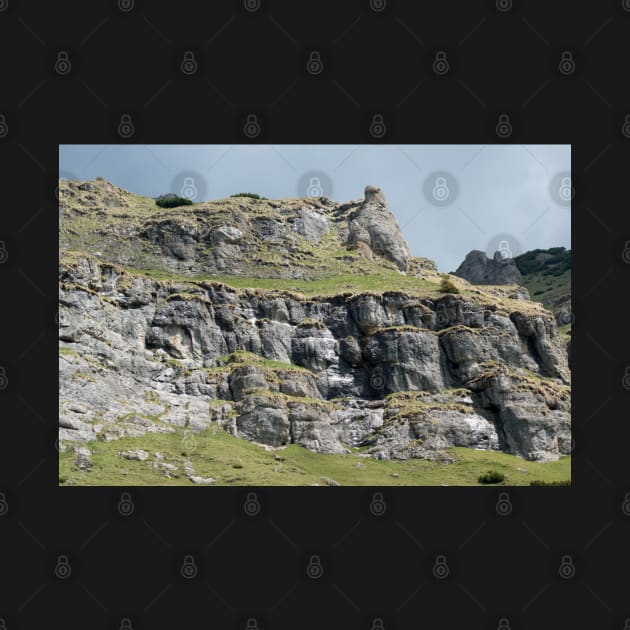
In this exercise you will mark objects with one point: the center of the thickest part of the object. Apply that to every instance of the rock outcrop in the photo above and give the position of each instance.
(240, 236)
(477, 268)
(375, 226)
(406, 376)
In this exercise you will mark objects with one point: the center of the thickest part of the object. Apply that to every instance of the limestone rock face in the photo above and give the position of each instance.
(432, 424)
(406, 376)
(533, 419)
(263, 419)
(375, 226)
(477, 268)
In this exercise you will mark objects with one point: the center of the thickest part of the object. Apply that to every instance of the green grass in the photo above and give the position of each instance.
(447, 285)
(242, 357)
(544, 288)
(328, 285)
(547, 277)
(236, 462)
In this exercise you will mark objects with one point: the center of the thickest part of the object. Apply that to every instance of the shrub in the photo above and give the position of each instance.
(247, 194)
(540, 482)
(447, 285)
(492, 476)
(172, 201)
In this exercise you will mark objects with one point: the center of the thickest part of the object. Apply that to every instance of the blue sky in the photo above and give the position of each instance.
(448, 199)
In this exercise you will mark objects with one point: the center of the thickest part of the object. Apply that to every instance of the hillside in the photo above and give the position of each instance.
(547, 276)
(297, 325)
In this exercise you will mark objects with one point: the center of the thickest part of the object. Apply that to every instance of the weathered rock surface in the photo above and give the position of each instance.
(533, 418)
(422, 426)
(477, 268)
(234, 236)
(83, 458)
(139, 355)
(375, 226)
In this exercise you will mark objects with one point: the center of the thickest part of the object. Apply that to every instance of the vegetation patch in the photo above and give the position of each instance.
(84, 377)
(460, 328)
(188, 297)
(242, 357)
(490, 477)
(248, 194)
(447, 285)
(280, 400)
(215, 452)
(311, 323)
(172, 201)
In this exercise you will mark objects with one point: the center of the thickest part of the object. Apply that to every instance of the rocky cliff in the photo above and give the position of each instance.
(477, 268)
(546, 274)
(352, 346)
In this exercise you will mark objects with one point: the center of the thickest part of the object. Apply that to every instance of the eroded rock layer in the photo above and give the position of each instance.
(402, 375)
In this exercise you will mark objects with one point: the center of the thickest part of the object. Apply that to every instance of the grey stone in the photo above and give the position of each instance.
(376, 227)
(83, 458)
(134, 454)
(201, 480)
(477, 268)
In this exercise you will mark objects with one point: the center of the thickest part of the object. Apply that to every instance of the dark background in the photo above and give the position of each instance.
(125, 571)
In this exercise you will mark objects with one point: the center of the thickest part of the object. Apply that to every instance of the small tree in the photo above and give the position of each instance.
(447, 285)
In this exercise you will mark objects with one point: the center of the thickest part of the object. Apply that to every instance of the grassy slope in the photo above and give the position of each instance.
(552, 292)
(547, 288)
(386, 280)
(236, 462)
(547, 277)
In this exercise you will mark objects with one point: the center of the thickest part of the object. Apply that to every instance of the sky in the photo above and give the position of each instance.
(448, 199)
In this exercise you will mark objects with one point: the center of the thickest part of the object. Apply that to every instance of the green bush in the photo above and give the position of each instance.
(246, 194)
(539, 482)
(492, 476)
(172, 201)
(447, 285)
